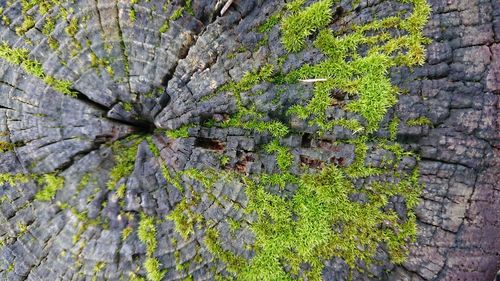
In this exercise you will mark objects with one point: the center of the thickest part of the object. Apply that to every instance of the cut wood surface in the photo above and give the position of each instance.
(270, 140)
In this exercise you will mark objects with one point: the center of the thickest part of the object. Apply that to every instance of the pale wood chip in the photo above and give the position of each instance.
(224, 9)
(313, 80)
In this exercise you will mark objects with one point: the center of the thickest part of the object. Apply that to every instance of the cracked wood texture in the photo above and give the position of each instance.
(111, 165)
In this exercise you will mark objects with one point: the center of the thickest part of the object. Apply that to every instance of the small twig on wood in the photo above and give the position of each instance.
(357, 131)
(313, 80)
(224, 9)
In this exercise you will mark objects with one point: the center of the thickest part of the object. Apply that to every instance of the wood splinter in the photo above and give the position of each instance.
(313, 80)
(224, 9)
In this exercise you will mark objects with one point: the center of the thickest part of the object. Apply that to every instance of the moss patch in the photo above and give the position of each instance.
(18, 56)
(147, 235)
(125, 160)
(6, 146)
(321, 220)
(420, 121)
(52, 184)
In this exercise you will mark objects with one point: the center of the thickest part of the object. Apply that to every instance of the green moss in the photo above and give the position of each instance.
(174, 180)
(396, 149)
(224, 160)
(132, 15)
(358, 169)
(232, 261)
(94, 60)
(127, 106)
(22, 228)
(364, 76)
(49, 26)
(135, 277)
(276, 232)
(275, 128)
(5, 20)
(6, 146)
(284, 158)
(72, 27)
(11, 267)
(125, 160)
(120, 192)
(27, 24)
(297, 26)
(110, 71)
(108, 48)
(249, 80)
(249, 118)
(147, 233)
(51, 185)
(206, 178)
(152, 146)
(322, 200)
(84, 181)
(375, 92)
(182, 132)
(153, 272)
(62, 205)
(26, 5)
(393, 128)
(44, 7)
(234, 225)
(76, 47)
(184, 219)
(280, 180)
(420, 121)
(20, 57)
(126, 232)
(263, 42)
(165, 26)
(270, 22)
(189, 7)
(177, 13)
(98, 267)
(296, 231)
(53, 44)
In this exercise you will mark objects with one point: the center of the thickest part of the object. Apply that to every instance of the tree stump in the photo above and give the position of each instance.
(299, 140)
